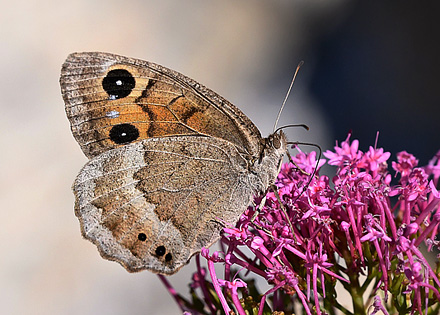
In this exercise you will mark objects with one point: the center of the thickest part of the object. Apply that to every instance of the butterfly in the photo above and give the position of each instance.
(170, 161)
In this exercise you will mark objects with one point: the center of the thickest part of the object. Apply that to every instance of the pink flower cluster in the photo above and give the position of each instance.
(359, 230)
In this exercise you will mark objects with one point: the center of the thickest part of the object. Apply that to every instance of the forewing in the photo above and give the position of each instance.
(113, 100)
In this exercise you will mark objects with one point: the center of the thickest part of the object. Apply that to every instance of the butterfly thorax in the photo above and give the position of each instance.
(268, 164)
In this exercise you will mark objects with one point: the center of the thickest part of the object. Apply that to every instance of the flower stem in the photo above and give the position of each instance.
(356, 295)
(173, 292)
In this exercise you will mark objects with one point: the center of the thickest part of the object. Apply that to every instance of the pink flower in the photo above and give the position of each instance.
(405, 163)
(433, 167)
(376, 157)
(345, 154)
(325, 233)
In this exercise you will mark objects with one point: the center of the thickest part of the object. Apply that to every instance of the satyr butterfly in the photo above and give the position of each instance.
(170, 160)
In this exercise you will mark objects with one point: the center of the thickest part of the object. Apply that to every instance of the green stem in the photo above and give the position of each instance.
(356, 295)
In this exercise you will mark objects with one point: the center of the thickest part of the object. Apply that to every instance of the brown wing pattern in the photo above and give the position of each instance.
(153, 204)
(113, 100)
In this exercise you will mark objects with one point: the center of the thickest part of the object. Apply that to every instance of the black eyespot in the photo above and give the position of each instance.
(168, 257)
(160, 250)
(123, 133)
(118, 83)
(142, 237)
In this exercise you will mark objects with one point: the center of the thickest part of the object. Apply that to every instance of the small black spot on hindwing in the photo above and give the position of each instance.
(118, 83)
(160, 250)
(168, 257)
(123, 133)
(142, 237)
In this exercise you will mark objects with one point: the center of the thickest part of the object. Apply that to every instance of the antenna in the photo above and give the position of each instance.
(287, 95)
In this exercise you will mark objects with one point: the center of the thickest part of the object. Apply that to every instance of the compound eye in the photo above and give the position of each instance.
(276, 142)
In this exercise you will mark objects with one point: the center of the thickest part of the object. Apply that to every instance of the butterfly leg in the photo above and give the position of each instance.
(260, 206)
(275, 191)
(263, 203)
(297, 166)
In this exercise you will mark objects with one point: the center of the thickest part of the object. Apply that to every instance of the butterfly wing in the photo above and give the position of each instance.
(155, 203)
(113, 100)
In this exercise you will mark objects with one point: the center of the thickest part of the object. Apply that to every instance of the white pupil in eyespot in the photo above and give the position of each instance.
(119, 82)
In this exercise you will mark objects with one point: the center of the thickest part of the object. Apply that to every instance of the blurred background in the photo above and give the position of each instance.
(369, 66)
